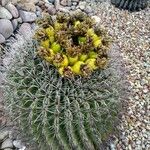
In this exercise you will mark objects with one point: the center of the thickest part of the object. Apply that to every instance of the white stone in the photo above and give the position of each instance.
(82, 5)
(18, 144)
(96, 18)
(13, 10)
(7, 144)
(27, 16)
(4, 13)
(6, 28)
(4, 133)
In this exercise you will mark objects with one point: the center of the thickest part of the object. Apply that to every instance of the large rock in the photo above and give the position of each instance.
(25, 30)
(13, 10)
(6, 28)
(18, 144)
(27, 16)
(4, 2)
(4, 133)
(51, 10)
(27, 6)
(2, 40)
(4, 13)
(15, 23)
(7, 144)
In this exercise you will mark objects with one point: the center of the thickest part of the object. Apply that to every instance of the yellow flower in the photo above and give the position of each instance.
(97, 43)
(90, 32)
(45, 44)
(56, 47)
(92, 54)
(50, 31)
(60, 60)
(76, 23)
(83, 57)
(61, 70)
(91, 63)
(50, 55)
(72, 60)
(76, 68)
(57, 26)
(95, 37)
(81, 39)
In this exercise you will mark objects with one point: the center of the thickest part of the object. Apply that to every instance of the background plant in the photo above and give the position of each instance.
(60, 113)
(131, 5)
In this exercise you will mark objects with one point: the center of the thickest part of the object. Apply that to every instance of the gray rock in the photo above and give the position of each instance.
(88, 9)
(65, 2)
(18, 144)
(7, 144)
(51, 10)
(25, 29)
(4, 133)
(13, 10)
(15, 23)
(2, 40)
(63, 9)
(4, 2)
(19, 20)
(57, 4)
(96, 18)
(7, 149)
(27, 16)
(74, 3)
(6, 28)
(82, 5)
(4, 13)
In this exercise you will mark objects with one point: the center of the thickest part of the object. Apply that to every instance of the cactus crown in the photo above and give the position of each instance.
(72, 44)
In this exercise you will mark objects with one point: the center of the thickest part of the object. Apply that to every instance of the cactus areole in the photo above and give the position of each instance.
(68, 42)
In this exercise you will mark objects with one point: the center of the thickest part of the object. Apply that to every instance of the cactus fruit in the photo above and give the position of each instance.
(92, 54)
(72, 60)
(55, 47)
(74, 37)
(91, 63)
(83, 57)
(56, 112)
(77, 67)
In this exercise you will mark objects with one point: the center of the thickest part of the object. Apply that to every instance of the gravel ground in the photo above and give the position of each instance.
(131, 32)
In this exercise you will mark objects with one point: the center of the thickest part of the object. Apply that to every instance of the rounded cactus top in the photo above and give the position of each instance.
(73, 44)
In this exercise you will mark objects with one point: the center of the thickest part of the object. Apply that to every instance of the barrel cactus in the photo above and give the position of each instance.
(60, 112)
(131, 5)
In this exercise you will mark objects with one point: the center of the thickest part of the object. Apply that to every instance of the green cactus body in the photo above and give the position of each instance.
(61, 113)
(65, 114)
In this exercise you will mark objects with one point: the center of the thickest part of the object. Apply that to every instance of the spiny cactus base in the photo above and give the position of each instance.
(60, 113)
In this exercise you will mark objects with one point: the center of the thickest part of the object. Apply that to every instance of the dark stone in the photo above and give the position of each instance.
(131, 5)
